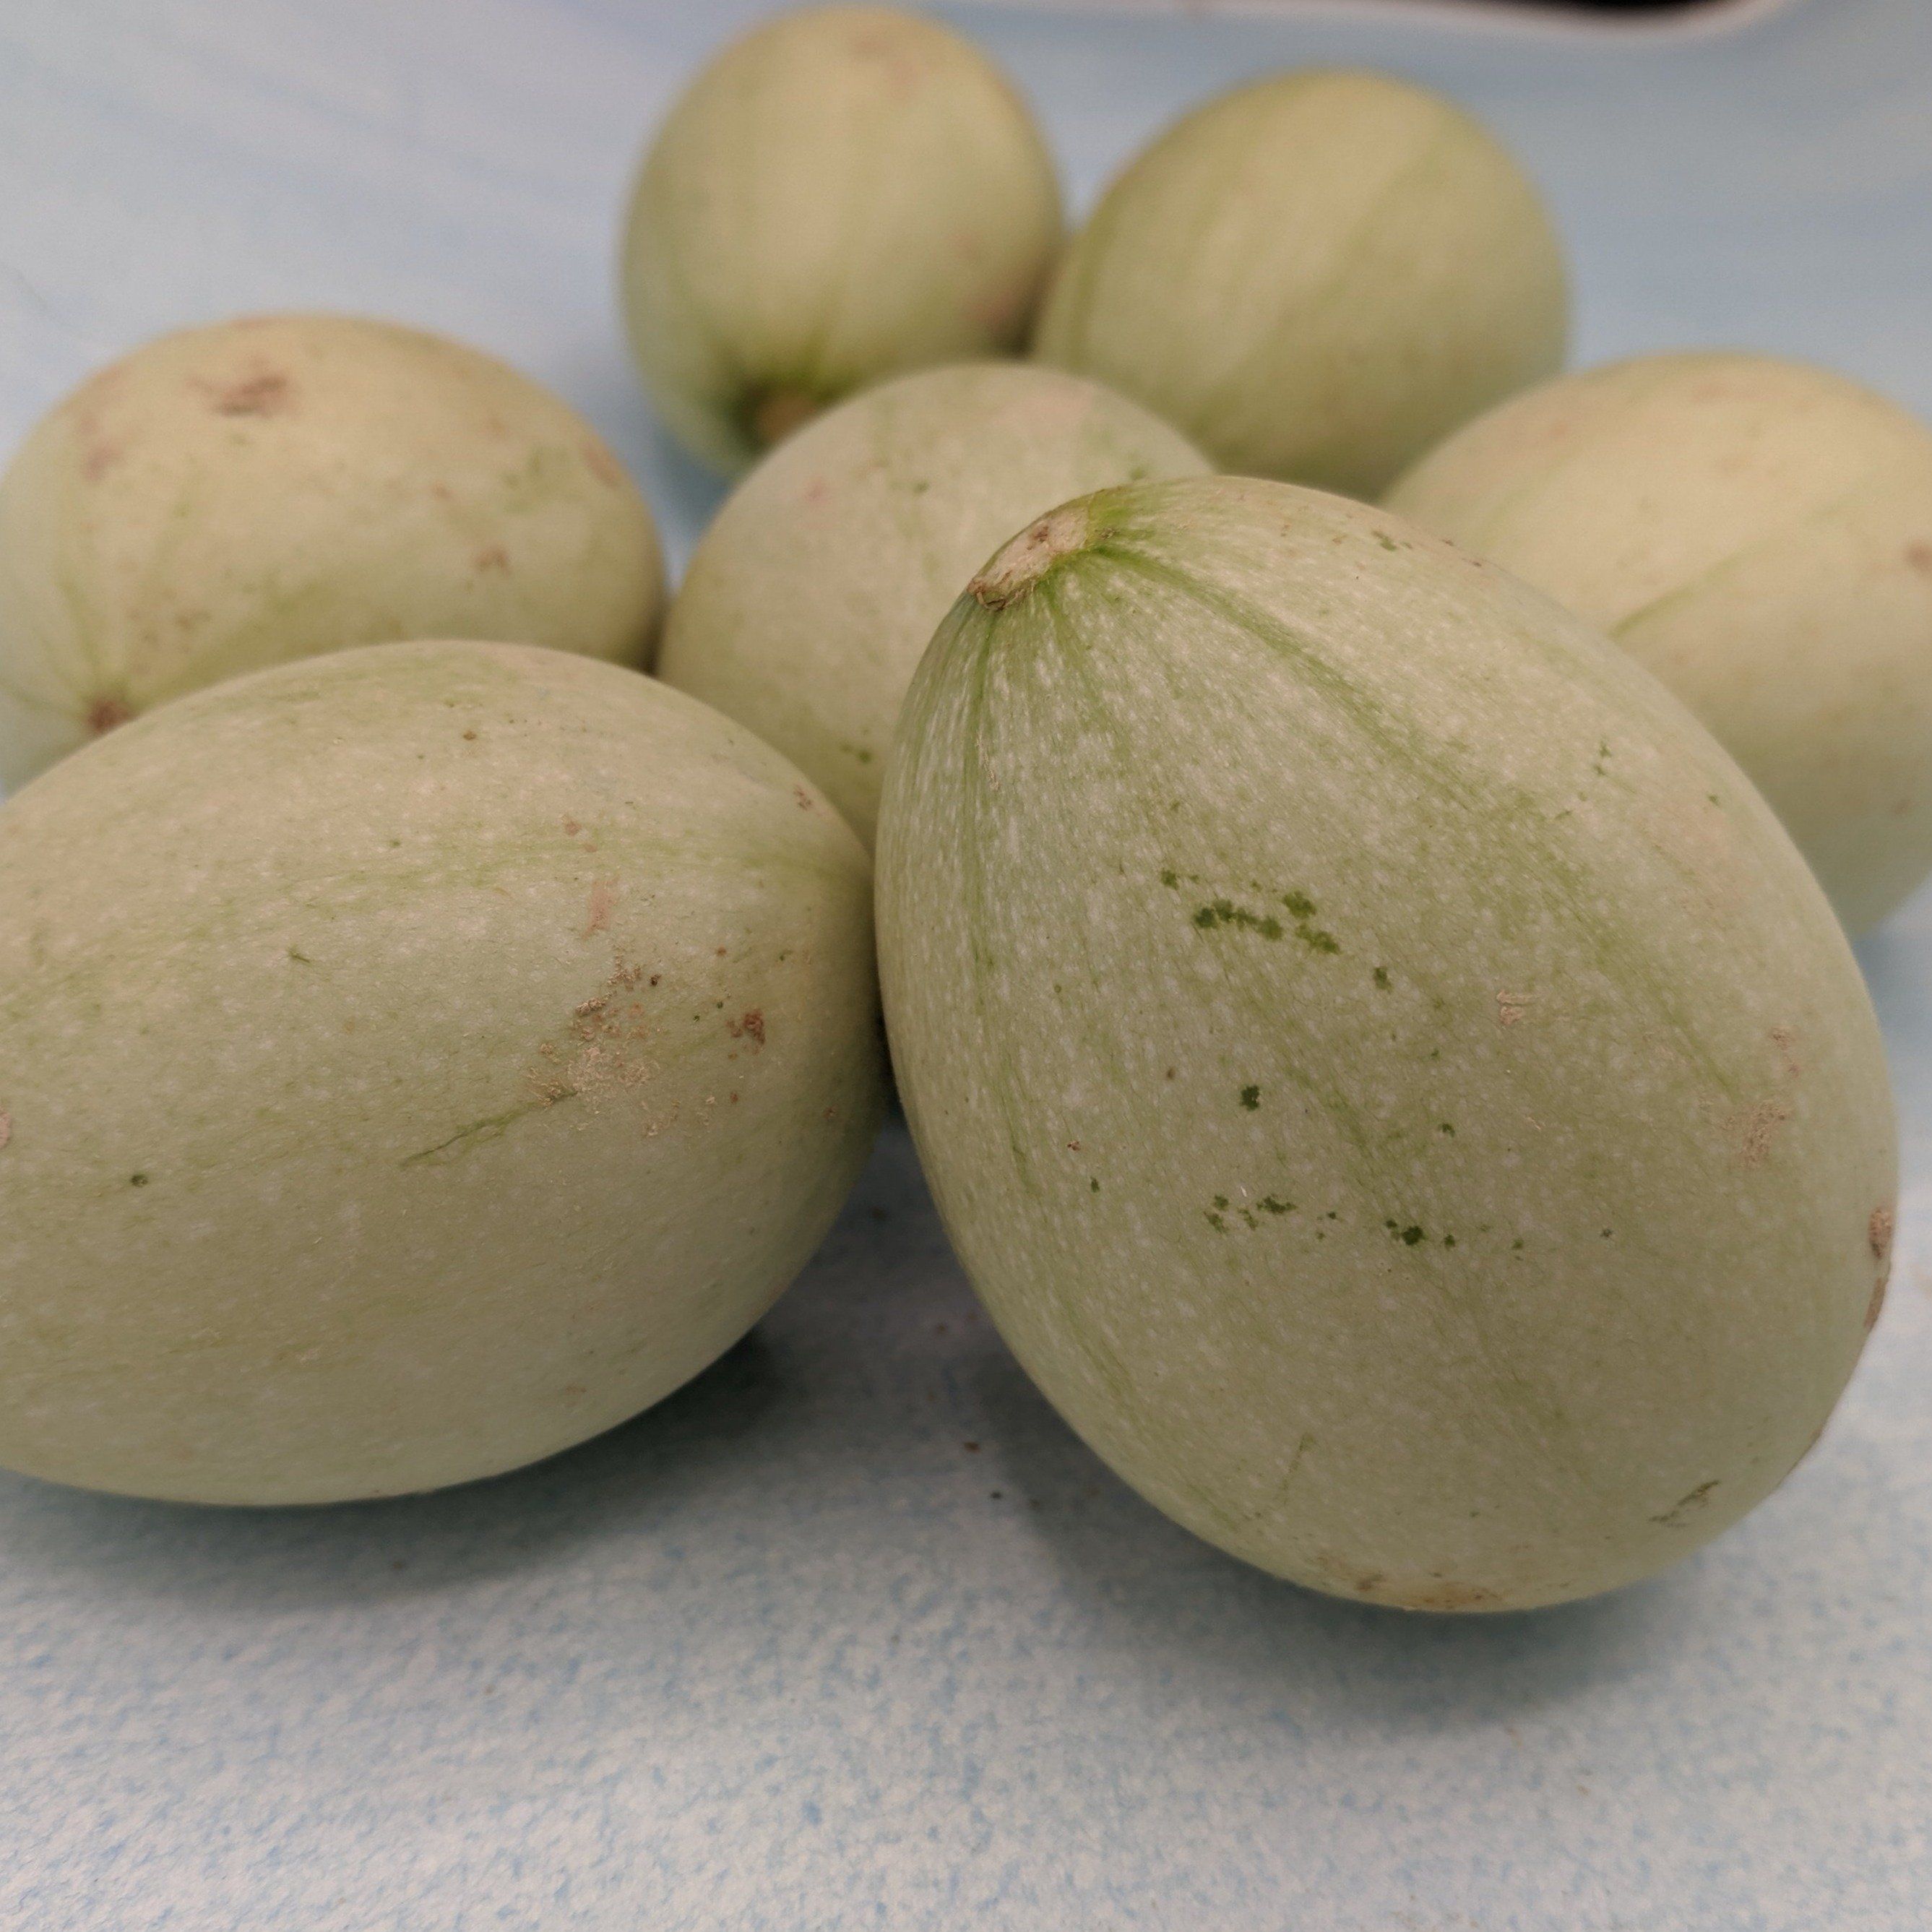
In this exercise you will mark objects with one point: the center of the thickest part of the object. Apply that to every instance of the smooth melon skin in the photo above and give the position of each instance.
(844, 193)
(235, 496)
(810, 599)
(1386, 1072)
(412, 1063)
(1316, 276)
(1758, 533)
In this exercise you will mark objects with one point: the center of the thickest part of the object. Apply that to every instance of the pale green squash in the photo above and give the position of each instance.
(809, 599)
(411, 1062)
(1316, 276)
(1388, 1074)
(844, 194)
(1758, 533)
(241, 495)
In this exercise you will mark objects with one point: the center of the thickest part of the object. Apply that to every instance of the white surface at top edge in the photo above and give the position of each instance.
(1504, 17)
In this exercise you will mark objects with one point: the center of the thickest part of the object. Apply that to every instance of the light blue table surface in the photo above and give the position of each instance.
(852, 1632)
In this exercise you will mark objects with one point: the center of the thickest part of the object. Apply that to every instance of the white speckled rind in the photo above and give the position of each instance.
(411, 1062)
(1388, 1074)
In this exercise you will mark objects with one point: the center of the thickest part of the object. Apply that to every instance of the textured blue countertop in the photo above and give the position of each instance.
(852, 1632)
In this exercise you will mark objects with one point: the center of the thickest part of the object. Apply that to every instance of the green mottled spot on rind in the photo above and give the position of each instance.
(1303, 909)
(1251, 1098)
(1225, 912)
(1169, 877)
(1411, 1235)
(1270, 1203)
(1382, 979)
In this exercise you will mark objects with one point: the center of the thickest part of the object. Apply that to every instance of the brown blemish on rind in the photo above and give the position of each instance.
(601, 463)
(772, 416)
(1878, 1234)
(268, 393)
(1758, 1128)
(106, 714)
(751, 1027)
(492, 556)
(1673, 1517)
(1022, 562)
(603, 897)
(1002, 312)
(6, 1127)
(1878, 1238)
(1440, 1596)
(101, 458)
(1786, 1041)
(886, 43)
(1919, 556)
(1424, 1593)
(606, 1033)
(1510, 1007)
